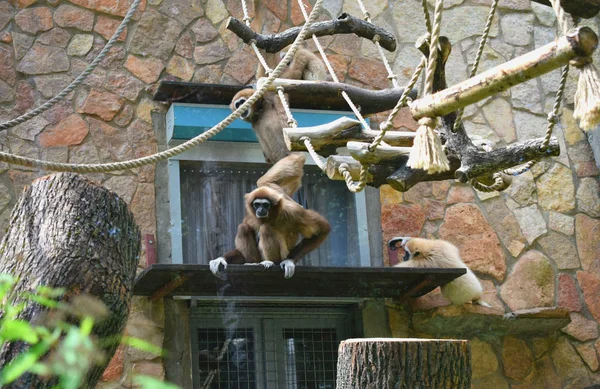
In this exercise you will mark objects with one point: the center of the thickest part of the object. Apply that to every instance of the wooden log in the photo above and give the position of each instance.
(383, 153)
(580, 8)
(389, 363)
(579, 42)
(326, 93)
(405, 177)
(333, 164)
(337, 133)
(67, 232)
(481, 163)
(344, 24)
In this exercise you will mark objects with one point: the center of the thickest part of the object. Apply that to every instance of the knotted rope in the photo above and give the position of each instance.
(587, 95)
(427, 152)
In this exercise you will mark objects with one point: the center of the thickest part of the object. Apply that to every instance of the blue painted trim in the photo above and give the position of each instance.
(185, 121)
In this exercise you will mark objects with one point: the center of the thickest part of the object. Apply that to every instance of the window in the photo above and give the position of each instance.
(207, 185)
(265, 347)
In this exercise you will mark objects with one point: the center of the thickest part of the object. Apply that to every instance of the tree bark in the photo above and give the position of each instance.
(380, 363)
(582, 8)
(68, 232)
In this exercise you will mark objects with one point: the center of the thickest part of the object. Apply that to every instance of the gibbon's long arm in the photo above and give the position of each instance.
(286, 173)
(314, 229)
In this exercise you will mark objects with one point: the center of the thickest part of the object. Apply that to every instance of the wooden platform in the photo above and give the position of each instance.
(161, 280)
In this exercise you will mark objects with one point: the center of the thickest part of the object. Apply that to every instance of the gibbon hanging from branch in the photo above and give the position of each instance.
(428, 253)
(274, 222)
(267, 115)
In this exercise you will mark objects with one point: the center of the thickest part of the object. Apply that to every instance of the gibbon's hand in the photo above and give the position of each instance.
(215, 264)
(289, 267)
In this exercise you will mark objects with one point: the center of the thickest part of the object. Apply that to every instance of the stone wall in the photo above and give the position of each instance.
(535, 245)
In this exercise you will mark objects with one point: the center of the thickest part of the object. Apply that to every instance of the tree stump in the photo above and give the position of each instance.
(381, 363)
(68, 232)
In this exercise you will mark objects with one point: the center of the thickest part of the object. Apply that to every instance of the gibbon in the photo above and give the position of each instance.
(274, 222)
(267, 115)
(440, 253)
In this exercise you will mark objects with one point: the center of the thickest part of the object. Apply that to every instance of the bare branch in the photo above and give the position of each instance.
(344, 24)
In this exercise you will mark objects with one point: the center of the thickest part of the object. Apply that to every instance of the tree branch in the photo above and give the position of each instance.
(317, 94)
(344, 24)
(583, 8)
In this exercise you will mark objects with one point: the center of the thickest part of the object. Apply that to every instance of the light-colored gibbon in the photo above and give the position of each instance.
(430, 253)
(267, 115)
(274, 222)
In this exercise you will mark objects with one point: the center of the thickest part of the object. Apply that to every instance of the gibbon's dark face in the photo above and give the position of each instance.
(261, 208)
(247, 114)
(406, 256)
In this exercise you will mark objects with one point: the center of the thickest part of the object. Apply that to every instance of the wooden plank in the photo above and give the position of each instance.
(308, 281)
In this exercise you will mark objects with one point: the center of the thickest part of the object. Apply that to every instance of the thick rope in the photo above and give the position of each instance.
(427, 152)
(391, 76)
(311, 150)
(388, 123)
(288, 113)
(50, 103)
(499, 180)
(134, 163)
(317, 158)
(587, 95)
(482, 42)
(426, 14)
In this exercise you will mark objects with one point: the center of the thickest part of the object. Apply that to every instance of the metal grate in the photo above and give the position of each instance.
(226, 362)
(268, 348)
(311, 357)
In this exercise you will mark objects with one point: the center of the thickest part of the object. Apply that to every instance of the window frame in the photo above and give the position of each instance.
(246, 152)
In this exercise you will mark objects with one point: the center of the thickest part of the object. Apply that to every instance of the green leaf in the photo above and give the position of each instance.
(47, 291)
(142, 345)
(18, 330)
(148, 382)
(27, 360)
(46, 302)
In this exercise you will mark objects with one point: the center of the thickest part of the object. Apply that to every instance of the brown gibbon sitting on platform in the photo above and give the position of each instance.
(274, 222)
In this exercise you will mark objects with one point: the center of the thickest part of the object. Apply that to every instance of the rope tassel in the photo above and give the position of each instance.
(587, 98)
(427, 152)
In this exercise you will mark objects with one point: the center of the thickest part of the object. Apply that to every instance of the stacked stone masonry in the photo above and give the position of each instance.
(535, 245)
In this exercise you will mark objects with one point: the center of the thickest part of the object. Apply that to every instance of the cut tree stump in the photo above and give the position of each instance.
(382, 363)
(68, 232)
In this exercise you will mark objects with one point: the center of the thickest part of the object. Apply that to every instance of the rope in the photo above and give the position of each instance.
(50, 103)
(499, 180)
(427, 17)
(311, 150)
(484, 37)
(290, 119)
(362, 180)
(133, 163)
(388, 123)
(391, 75)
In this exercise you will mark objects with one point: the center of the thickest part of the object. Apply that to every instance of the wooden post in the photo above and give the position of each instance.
(68, 232)
(390, 363)
(579, 42)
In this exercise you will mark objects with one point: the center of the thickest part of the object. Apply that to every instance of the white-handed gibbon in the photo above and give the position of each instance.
(274, 222)
(267, 115)
(431, 253)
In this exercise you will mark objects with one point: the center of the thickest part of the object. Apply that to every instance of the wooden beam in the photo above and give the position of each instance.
(582, 8)
(579, 42)
(323, 92)
(328, 137)
(383, 153)
(344, 24)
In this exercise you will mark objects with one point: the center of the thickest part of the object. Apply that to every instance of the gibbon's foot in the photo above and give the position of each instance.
(289, 267)
(215, 264)
(267, 264)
